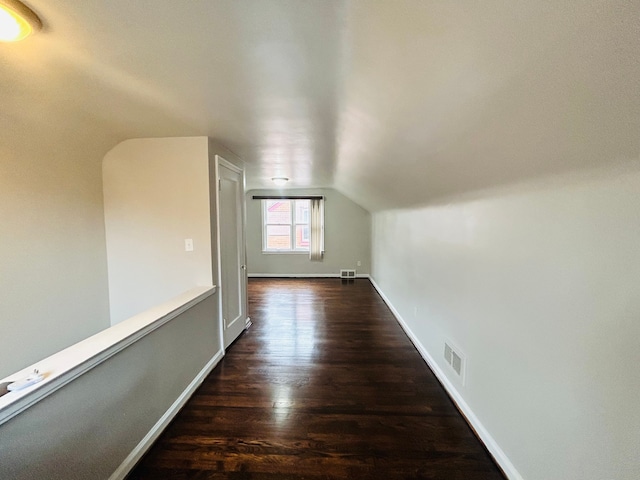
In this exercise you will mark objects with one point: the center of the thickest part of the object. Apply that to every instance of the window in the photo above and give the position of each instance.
(285, 225)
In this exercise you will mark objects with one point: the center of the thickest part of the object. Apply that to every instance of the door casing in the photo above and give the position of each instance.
(232, 270)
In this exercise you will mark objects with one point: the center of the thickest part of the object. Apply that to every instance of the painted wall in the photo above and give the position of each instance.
(347, 238)
(156, 195)
(87, 429)
(538, 285)
(53, 269)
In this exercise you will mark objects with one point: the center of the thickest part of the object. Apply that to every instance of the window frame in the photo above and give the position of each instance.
(292, 227)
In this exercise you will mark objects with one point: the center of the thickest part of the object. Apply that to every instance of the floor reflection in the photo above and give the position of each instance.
(282, 404)
(292, 335)
(325, 384)
(291, 317)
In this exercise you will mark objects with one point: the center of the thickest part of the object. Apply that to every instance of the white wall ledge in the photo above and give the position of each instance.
(66, 365)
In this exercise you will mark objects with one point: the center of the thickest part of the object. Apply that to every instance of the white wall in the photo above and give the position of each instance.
(156, 195)
(53, 269)
(347, 238)
(538, 285)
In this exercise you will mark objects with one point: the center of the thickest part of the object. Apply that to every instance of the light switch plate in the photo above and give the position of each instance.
(188, 245)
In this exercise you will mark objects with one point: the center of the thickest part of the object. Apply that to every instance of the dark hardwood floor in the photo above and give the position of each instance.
(324, 385)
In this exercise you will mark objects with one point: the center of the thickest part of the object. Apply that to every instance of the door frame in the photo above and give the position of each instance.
(219, 160)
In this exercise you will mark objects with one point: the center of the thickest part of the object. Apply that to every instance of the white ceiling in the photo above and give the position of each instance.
(394, 103)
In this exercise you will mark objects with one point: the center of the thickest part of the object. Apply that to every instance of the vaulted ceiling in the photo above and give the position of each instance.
(394, 102)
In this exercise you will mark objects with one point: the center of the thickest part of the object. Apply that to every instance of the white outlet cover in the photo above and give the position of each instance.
(188, 245)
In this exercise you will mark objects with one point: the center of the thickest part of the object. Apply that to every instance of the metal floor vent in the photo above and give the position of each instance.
(347, 274)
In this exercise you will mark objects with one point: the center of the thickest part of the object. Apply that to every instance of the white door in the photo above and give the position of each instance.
(231, 256)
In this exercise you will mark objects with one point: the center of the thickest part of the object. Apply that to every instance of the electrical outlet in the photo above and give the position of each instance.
(358, 263)
(188, 245)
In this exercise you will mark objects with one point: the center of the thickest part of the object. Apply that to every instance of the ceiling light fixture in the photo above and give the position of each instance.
(17, 21)
(280, 181)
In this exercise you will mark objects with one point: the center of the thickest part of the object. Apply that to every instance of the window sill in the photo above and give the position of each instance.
(273, 252)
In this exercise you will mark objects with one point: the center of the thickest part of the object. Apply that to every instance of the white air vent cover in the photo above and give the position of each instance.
(347, 274)
(447, 353)
(455, 359)
(456, 363)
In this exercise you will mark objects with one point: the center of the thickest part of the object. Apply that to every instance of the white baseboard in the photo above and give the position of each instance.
(136, 454)
(302, 275)
(498, 454)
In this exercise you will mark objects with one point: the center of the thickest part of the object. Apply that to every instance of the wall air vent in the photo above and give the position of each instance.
(454, 359)
(447, 353)
(347, 274)
(456, 363)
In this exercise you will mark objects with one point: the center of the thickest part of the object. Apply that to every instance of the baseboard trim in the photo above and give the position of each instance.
(302, 275)
(485, 437)
(136, 454)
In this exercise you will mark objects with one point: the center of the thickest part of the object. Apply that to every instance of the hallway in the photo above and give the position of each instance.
(324, 385)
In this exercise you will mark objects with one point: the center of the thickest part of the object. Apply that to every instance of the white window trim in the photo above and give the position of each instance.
(292, 226)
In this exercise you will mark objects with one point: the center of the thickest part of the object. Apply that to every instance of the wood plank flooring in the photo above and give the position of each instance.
(324, 385)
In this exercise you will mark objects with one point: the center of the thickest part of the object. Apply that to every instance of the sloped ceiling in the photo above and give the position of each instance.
(394, 103)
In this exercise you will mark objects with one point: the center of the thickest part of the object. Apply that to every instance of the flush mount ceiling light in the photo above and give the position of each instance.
(17, 21)
(280, 181)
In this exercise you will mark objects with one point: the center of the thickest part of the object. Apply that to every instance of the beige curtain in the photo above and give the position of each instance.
(316, 248)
